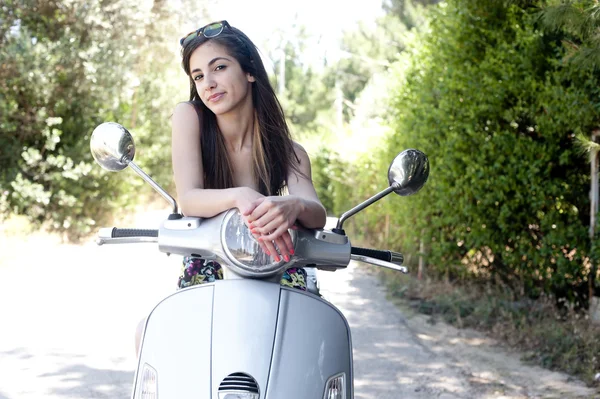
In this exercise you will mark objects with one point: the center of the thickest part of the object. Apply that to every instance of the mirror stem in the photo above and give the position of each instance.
(154, 185)
(365, 204)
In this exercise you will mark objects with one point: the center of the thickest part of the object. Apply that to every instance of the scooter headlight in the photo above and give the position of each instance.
(245, 255)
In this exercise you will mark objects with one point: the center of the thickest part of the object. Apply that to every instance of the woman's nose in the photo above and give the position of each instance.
(209, 82)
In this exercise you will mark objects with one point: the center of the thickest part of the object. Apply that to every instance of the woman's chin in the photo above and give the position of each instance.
(221, 109)
(218, 111)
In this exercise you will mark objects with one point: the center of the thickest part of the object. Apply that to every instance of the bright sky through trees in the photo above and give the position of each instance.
(325, 20)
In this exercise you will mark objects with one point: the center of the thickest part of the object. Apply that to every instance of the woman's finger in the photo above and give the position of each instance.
(283, 248)
(271, 250)
(250, 208)
(287, 238)
(272, 225)
(261, 244)
(283, 240)
(260, 211)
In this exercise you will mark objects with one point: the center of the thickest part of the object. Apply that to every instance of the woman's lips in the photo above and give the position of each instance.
(215, 97)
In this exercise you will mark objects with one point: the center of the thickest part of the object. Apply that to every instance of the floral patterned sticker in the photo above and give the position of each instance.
(199, 271)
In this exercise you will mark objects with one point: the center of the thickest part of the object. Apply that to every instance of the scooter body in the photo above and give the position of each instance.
(247, 337)
(242, 336)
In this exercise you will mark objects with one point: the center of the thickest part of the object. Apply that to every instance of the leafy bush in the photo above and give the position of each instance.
(65, 67)
(489, 100)
(486, 93)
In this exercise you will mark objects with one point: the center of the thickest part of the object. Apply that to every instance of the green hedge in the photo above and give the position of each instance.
(486, 94)
(64, 69)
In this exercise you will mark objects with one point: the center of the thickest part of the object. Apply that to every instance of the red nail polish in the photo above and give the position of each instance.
(277, 259)
(268, 253)
(291, 251)
(287, 258)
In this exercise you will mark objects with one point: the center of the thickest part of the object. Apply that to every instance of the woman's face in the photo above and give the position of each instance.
(220, 81)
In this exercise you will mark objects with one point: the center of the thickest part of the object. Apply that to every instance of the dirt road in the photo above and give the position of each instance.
(68, 314)
(399, 354)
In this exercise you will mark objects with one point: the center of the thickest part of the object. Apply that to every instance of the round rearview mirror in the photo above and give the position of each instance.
(408, 172)
(112, 146)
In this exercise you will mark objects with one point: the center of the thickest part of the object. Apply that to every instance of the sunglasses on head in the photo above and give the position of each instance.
(211, 30)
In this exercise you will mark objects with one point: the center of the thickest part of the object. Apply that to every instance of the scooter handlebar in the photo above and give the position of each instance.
(114, 235)
(379, 262)
(122, 233)
(386, 256)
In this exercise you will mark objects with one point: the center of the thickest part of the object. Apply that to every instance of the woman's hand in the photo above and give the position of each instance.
(270, 218)
(245, 199)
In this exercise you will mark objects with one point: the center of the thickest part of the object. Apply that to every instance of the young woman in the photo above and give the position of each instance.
(232, 148)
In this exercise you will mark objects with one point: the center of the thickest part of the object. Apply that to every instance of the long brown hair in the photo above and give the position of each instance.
(272, 146)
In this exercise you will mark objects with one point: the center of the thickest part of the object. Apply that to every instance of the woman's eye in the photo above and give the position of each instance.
(219, 67)
(198, 77)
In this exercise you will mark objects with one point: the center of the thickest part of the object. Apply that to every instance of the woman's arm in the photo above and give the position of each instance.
(272, 216)
(186, 153)
(312, 213)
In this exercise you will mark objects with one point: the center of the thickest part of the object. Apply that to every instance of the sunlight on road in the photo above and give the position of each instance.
(72, 315)
(69, 314)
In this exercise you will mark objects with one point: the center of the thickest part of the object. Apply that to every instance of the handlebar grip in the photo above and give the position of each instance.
(124, 233)
(387, 256)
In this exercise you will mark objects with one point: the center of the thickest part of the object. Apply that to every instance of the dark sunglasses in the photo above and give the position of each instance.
(211, 30)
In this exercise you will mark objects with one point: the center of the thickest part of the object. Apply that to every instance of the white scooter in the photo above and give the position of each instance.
(247, 337)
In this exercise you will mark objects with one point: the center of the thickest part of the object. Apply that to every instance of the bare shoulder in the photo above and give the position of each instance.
(301, 153)
(186, 153)
(185, 112)
(298, 147)
(304, 171)
(184, 107)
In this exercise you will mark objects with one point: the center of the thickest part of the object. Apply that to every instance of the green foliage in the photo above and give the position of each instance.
(158, 84)
(579, 22)
(326, 170)
(366, 52)
(407, 12)
(485, 92)
(65, 67)
(489, 101)
(306, 96)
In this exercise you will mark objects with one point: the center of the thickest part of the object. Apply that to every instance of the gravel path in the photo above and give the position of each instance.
(68, 315)
(399, 354)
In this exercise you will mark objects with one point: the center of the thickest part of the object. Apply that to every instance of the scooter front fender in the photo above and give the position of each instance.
(289, 343)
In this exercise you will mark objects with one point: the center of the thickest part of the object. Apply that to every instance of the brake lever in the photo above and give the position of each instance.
(377, 262)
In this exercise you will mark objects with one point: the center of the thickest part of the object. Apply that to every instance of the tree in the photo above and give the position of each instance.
(65, 68)
(408, 12)
(484, 91)
(489, 100)
(305, 95)
(371, 49)
(579, 23)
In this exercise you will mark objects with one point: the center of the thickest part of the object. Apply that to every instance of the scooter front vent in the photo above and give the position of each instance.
(239, 382)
